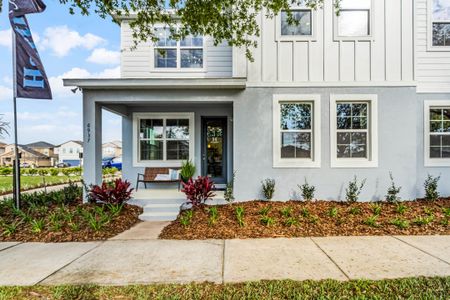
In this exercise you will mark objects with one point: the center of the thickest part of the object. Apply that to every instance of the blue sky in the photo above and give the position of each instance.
(70, 46)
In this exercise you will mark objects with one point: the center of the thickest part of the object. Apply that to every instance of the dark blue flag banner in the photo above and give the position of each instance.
(31, 80)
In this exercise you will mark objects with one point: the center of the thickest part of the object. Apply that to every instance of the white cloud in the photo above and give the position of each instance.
(103, 56)
(56, 83)
(5, 38)
(61, 39)
(5, 93)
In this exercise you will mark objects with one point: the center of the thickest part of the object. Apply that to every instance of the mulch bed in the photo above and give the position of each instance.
(313, 220)
(127, 218)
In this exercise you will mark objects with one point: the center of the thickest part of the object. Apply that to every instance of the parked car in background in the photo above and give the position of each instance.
(112, 162)
(25, 165)
(63, 165)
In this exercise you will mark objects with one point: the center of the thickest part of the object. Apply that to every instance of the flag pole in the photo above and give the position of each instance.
(16, 179)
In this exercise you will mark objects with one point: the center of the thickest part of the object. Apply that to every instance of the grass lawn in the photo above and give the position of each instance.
(410, 288)
(28, 182)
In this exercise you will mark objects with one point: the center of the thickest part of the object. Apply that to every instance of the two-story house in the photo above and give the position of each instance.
(365, 93)
(69, 153)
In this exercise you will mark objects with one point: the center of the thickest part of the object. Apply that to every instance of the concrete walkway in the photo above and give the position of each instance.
(140, 261)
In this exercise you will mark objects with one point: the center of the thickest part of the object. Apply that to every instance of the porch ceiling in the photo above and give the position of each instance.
(157, 83)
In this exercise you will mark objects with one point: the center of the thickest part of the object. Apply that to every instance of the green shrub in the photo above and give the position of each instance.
(401, 208)
(228, 195)
(267, 221)
(4, 171)
(400, 223)
(268, 188)
(372, 221)
(291, 221)
(32, 171)
(354, 210)
(333, 212)
(286, 212)
(37, 225)
(187, 170)
(186, 217)
(240, 215)
(354, 190)
(213, 215)
(393, 191)
(66, 171)
(307, 191)
(54, 172)
(420, 221)
(265, 210)
(376, 209)
(431, 185)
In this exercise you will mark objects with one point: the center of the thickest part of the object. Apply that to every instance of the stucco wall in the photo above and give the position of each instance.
(422, 171)
(253, 121)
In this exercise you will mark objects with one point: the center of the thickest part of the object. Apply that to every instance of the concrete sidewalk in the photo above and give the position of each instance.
(141, 261)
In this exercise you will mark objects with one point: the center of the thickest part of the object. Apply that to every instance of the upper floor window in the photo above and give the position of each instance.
(304, 25)
(440, 22)
(296, 131)
(437, 133)
(172, 54)
(354, 19)
(353, 131)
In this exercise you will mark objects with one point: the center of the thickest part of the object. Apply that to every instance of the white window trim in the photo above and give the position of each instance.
(315, 162)
(161, 163)
(372, 161)
(432, 162)
(293, 38)
(369, 37)
(178, 69)
(430, 22)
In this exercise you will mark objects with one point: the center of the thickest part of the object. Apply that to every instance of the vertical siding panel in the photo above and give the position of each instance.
(393, 40)
(331, 48)
(407, 40)
(254, 72)
(316, 58)
(378, 59)
(301, 66)
(347, 61)
(285, 61)
(362, 61)
(269, 51)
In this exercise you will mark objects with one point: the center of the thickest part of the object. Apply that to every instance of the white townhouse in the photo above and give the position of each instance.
(364, 93)
(69, 152)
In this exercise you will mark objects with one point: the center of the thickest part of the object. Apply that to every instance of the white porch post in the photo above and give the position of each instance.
(92, 142)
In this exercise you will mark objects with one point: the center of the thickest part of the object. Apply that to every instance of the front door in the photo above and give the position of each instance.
(214, 145)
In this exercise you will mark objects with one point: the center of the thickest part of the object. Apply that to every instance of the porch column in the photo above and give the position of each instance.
(92, 142)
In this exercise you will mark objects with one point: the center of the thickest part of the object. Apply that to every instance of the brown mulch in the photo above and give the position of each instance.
(318, 223)
(127, 218)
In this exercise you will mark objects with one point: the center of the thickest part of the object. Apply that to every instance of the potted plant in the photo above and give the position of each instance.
(187, 170)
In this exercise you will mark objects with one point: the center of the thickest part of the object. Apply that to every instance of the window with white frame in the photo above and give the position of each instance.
(172, 54)
(437, 133)
(440, 22)
(354, 18)
(296, 131)
(163, 137)
(302, 26)
(353, 131)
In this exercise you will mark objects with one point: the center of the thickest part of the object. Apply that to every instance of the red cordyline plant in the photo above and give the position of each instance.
(199, 190)
(118, 192)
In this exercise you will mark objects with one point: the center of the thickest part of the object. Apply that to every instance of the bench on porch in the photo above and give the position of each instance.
(150, 175)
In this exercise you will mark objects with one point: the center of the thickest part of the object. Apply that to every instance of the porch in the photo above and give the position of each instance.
(164, 122)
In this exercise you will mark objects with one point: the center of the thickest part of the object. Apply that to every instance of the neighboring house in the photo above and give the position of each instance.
(364, 93)
(69, 152)
(2, 147)
(112, 149)
(31, 156)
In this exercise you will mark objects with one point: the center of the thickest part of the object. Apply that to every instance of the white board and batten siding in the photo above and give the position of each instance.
(139, 62)
(384, 58)
(432, 65)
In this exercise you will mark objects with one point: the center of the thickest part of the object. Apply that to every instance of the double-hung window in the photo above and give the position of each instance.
(296, 131)
(439, 16)
(437, 133)
(353, 131)
(172, 54)
(163, 139)
(354, 19)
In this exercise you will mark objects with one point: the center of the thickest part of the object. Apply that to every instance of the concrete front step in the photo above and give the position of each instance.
(158, 216)
(174, 208)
